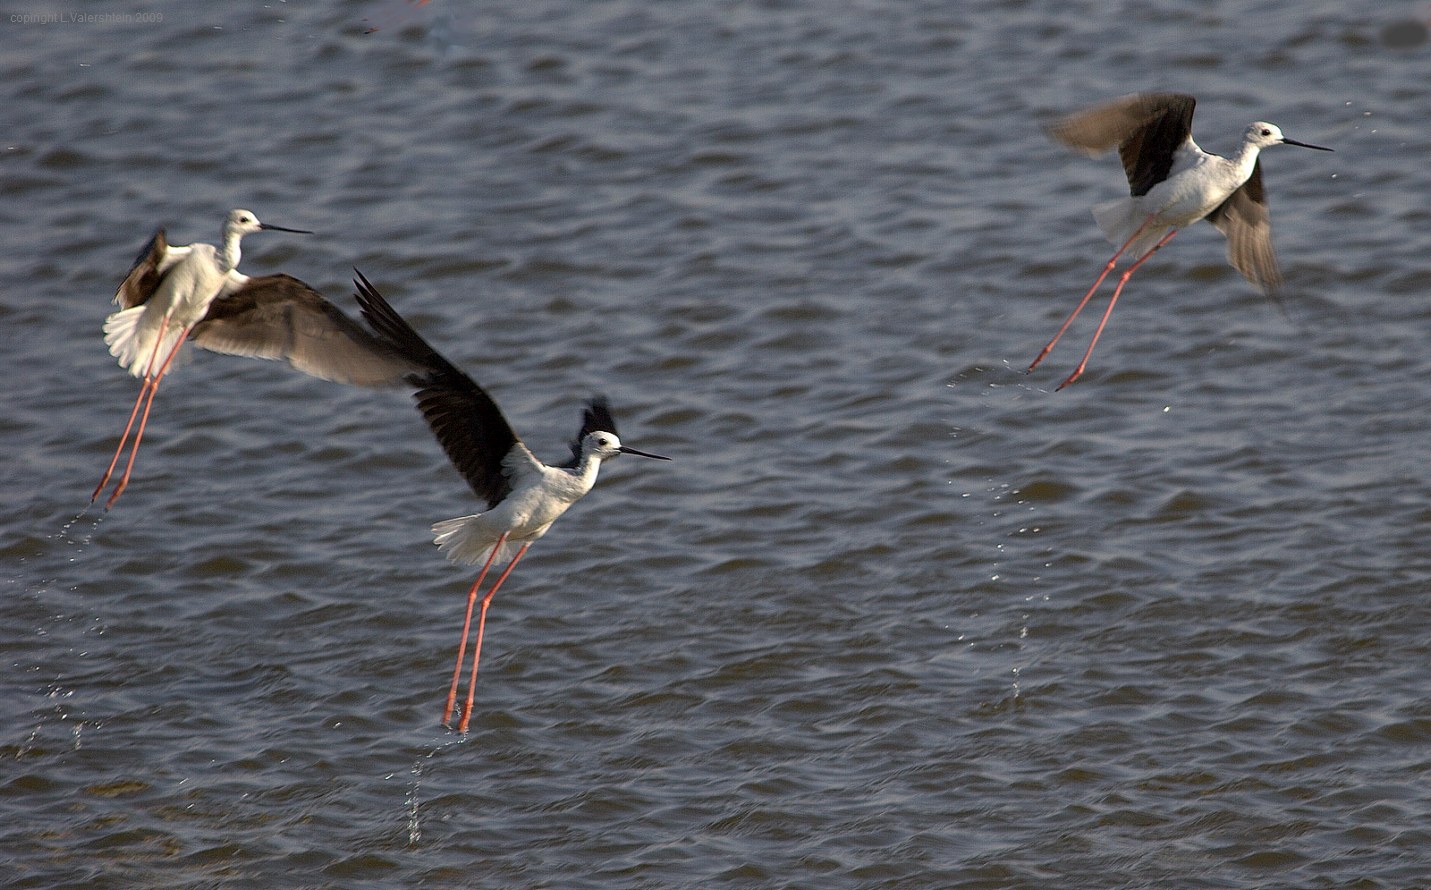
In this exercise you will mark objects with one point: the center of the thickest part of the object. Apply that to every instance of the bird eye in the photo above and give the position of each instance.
(1266, 132)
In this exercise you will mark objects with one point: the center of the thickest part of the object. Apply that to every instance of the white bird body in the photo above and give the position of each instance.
(190, 284)
(190, 278)
(540, 494)
(1198, 183)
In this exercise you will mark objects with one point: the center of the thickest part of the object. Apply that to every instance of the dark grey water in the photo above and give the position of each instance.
(897, 615)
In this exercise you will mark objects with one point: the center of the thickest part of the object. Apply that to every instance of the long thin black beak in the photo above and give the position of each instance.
(1286, 141)
(624, 450)
(273, 228)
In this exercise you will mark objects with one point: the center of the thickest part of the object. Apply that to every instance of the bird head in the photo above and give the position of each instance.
(1263, 135)
(244, 222)
(604, 445)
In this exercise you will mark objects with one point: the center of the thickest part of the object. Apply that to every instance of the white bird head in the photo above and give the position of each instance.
(604, 445)
(1263, 135)
(244, 222)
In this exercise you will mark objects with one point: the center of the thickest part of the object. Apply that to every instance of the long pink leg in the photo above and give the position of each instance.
(144, 419)
(466, 626)
(1109, 311)
(1107, 267)
(148, 382)
(482, 623)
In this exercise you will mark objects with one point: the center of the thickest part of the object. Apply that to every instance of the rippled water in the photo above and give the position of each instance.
(898, 615)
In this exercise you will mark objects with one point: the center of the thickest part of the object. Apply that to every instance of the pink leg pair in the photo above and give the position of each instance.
(1108, 267)
(481, 624)
(146, 396)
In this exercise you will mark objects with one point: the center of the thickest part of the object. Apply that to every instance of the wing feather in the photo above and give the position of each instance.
(466, 421)
(279, 317)
(1243, 219)
(1146, 128)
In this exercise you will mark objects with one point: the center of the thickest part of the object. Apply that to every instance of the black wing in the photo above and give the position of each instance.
(1243, 219)
(1147, 128)
(467, 423)
(144, 276)
(280, 317)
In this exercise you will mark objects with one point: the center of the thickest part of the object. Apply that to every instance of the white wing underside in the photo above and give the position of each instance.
(172, 255)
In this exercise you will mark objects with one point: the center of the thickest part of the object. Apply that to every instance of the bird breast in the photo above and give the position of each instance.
(1194, 189)
(529, 509)
(190, 286)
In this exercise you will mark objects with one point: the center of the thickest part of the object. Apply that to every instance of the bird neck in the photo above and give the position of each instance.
(586, 469)
(229, 256)
(1245, 160)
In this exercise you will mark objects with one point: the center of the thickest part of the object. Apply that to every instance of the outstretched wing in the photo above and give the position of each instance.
(1243, 219)
(1147, 129)
(467, 423)
(150, 267)
(280, 317)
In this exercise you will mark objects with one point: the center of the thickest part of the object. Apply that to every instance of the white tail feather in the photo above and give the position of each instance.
(133, 343)
(468, 540)
(120, 336)
(1119, 219)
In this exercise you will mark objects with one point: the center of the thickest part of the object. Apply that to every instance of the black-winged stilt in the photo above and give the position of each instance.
(523, 495)
(195, 293)
(1173, 183)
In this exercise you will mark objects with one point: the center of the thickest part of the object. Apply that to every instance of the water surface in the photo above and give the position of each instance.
(897, 615)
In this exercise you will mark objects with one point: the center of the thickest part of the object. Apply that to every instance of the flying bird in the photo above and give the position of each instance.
(1172, 183)
(523, 496)
(194, 293)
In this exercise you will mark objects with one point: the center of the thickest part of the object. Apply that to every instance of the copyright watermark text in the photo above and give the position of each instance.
(86, 18)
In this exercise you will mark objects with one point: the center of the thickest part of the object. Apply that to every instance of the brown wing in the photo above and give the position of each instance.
(1146, 128)
(1243, 219)
(144, 276)
(467, 423)
(280, 317)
